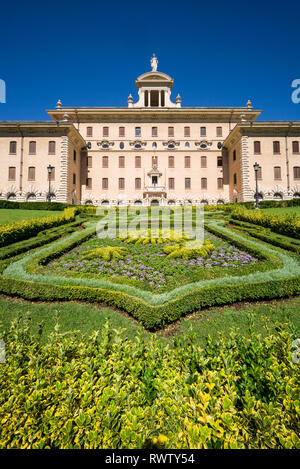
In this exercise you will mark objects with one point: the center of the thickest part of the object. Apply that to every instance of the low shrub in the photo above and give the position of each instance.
(107, 253)
(184, 252)
(105, 391)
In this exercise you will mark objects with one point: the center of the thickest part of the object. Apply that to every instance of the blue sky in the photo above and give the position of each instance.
(89, 53)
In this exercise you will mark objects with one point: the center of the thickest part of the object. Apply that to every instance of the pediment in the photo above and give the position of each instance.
(154, 76)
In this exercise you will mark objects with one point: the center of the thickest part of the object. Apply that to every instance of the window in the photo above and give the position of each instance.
(220, 183)
(104, 161)
(219, 131)
(277, 172)
(121, 183)
(122, 145)
(234, 179)
(89, 161)
(234, 155)
(187, 144)
(259, 173)
(276, 147)
(12, 173)
(154, 131)
(74, 178)
(296, 170)
(13, 148)
(31, 173)
(219, 161)
(171, 131)
(74, 155)
(137, 131)
(121, 161)
(256, 146)
(31, 197)
(203, 183)
(154, 161)
(52, 176)
(295, 146)
(187, 183)
(104, 183)
(51, 148)
(138, 162)
(89, 131)
(89, 183)
(187, 132)
(171, 162)
(154, 145)
(121, 131)
(32, 148)
(187, 161)
(202, 131)
(171, 183)
(203, 161)
(105, 131)
(138, 183)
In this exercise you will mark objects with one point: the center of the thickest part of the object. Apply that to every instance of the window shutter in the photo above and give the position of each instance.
(203, 161)
(104, 183)
(187, 132)
(121, 162)
(296, 172)
(295, 147)
(89, 131)
(219, 132)
(13, 148)
(257, 147)
(203, 183)
(187, 161)
(32, 148)
(12, 173)
(137, 183)
(171, 131)
(171, 161)
(121, 131)
(277, 172)
(31, 173)
(105, 131)
(276, 147)
(137, 161)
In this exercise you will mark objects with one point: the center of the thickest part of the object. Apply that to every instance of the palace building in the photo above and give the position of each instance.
(152, 152)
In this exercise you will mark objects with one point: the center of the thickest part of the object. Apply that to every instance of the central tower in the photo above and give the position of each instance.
(154, 89)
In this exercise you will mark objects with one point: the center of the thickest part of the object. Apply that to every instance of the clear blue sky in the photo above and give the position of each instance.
(88, 53)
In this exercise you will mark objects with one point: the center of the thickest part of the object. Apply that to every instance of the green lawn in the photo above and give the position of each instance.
(86, 318)
(11, 215)
(283, 211)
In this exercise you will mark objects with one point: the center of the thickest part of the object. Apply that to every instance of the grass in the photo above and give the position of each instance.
(86, 318)
(282, 210)
(12, 215)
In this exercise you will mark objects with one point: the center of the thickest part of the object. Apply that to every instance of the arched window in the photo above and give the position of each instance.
(277, 196)
(12, 197)
(171, 202)
(154, 202)
(204, 202)
(122, 145)
(138, 202)
(88, 202)
(105, 202)
(296, 195)
(220, 202)
(187, 144)
(154, 145)
(31, 197)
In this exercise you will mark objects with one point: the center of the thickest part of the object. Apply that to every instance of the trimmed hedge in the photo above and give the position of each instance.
(55, 206)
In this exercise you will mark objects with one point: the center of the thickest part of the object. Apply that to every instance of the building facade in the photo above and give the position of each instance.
(152, 152)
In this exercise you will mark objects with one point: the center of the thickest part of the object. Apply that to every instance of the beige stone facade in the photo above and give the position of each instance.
(153, 152)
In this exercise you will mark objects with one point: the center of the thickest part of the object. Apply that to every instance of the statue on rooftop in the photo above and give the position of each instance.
(154, 63)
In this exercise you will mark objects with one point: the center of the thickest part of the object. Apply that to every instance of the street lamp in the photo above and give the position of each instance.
(49, 168)
(256, 168)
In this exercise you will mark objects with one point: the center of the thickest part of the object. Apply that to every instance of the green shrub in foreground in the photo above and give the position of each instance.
(105, 391)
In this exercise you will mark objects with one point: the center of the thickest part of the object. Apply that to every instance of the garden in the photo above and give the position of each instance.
(186, 389)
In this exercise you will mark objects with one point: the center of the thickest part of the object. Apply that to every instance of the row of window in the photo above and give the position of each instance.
(154, 131)
(277, 172)
(32, 148)
(138, 183)
(276, 147)
(138, 161)
(31, 175)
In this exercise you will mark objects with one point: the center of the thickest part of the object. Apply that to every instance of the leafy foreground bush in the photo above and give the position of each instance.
(109, 392)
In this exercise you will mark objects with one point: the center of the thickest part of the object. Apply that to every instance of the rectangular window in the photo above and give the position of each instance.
(89, 161)
(104, 161)
(121, 161)
(138, 132)
(296, 171)
(220, 183)
(154, 131)
(295, 146)
(12, 148)
(12, 173)
(234, 155)
(74, 155)
(187, 161)
(121, 131)
(187, 132)
(52, 176)
(219, 161)
(203, 161)
(89, 131)
(31, 173)
(276, 147)
(277, 172)
(256, 147)
(104, 183)
(259, 173)
(202, 131)
(203, 183)
(105, 132)
(171, 162)
(170, 131)
(138, 183)
(74, 178)
(187, 183)
(32, 148)
(51, 148)
(219, 131)
(234, 179)
(121, 183)
(89, 183)
(171, 183)
(138, 162)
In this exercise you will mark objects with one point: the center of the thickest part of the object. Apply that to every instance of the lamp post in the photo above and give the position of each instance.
(256, 168)
(49, 168)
